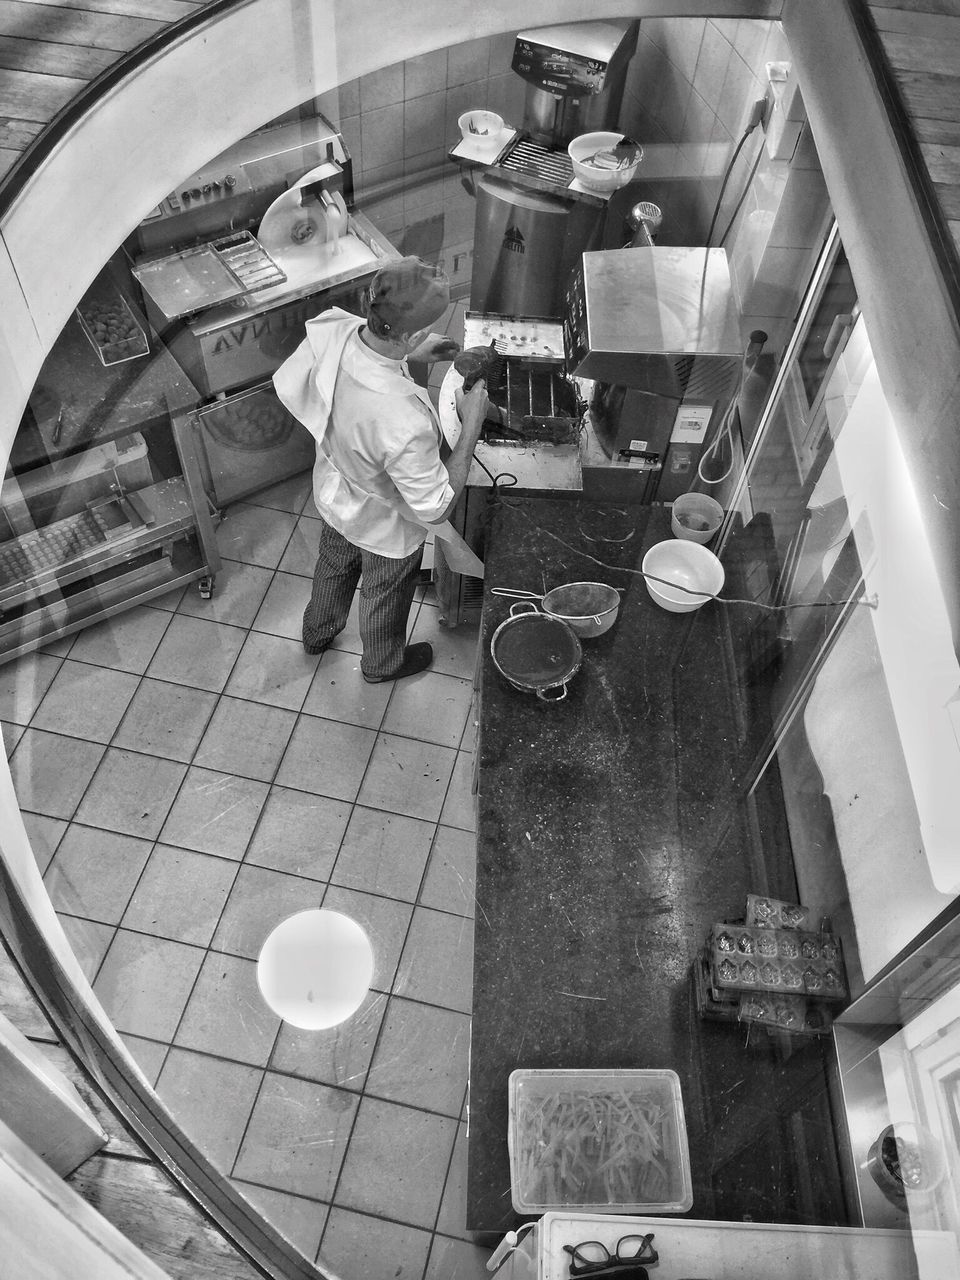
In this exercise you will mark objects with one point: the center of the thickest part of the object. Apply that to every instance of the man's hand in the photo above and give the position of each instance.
(473, 407)
(433, 348)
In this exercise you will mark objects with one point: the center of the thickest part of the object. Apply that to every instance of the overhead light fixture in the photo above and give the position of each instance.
(315, 969)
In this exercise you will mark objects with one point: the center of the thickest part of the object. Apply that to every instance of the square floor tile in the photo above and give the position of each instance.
(180, 895)
(454, 648)
(226, 1014)
(326, 757)
(44, 835)
(453, 1207)
(238, 592)
(85, 701)
(131, 793)
(456, 1258)
(211, 1099)
(340, 1055)
(286, 495)
(12, 733)
(299, 833)
(398, 1157)
(300, 555)
(126, 642)
(89, 940)
(339, 691)
(384, 921)
(144, 983)
(437, 961)
(297, 1136)
(197, 653)
(281, 613)
(421, 1057)
(149, 1055)
(300, 1221)
(358, 1244)
(258, 902)
(214, 813)
(94, 872)
(460, 802)
(407, 777)
(432, 708)
(383, 853)
(246, 738)
(450, 883)
(255, 535)
(51, 773)
(23, 683)
(272, 669)
(165, 719)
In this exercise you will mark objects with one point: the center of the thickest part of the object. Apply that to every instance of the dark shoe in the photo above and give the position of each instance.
(416, 658)
(314, 649)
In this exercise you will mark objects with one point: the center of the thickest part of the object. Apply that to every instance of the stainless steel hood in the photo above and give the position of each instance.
(661, 319)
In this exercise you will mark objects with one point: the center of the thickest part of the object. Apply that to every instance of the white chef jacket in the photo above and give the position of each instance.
(378, 478)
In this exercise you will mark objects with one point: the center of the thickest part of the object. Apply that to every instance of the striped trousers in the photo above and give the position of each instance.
(386, 594)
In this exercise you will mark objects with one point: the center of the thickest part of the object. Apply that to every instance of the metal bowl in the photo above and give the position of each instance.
(536, 653)
(590, 608)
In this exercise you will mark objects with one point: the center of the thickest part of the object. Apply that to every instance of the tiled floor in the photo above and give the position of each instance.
(189, 778)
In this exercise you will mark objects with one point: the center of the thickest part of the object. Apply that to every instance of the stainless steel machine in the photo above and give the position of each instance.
(656, 329)
(533, 220)
(232, 265)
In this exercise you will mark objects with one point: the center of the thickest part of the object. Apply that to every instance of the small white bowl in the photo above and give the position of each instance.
(695, 517)
(679, 564)
(480, 124)
(582, 151)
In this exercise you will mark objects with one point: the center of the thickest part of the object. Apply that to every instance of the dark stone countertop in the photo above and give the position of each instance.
(609, 840)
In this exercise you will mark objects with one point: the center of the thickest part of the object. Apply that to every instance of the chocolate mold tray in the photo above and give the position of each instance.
(773, 913)
(784, 1013)
(788, 961)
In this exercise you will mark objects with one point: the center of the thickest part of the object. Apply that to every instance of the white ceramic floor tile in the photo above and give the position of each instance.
(245, 737)
(165, 719)
(211, 1100)
(238, 593)
(383, 853)
(214, 813)
(126, 642)
(326, 757)
(85, 701)
(51, 773)
(23, 683)
(226, 1015)
(198, 653)
(144, 983)
(358, 1244)
(437, 961)
(272, 669)
(433, 708)
(300, 555)
(281, 613)
(339, 692)
(298, 1220)
(131, 793)
(255, 535)
(407, 777)
(297, 1136)
(180, 895)
(94, 872)
(299, 833)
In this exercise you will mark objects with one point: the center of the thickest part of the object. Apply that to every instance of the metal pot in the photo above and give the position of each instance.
(536, 653)
(590, 608)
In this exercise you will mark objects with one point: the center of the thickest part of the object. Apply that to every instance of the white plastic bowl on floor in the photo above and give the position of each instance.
(689, 574)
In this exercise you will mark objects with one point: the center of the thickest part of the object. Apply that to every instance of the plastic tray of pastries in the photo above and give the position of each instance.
(790, 961)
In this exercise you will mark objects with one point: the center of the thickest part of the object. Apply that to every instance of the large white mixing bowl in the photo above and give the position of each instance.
(683, 568)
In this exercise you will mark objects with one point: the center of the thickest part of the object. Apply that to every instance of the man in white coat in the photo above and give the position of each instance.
(379, 481)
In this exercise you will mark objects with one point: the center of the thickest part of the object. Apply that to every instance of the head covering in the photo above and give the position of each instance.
(407, 295)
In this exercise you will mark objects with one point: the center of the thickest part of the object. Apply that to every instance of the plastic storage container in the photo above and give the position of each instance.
(598, 1141)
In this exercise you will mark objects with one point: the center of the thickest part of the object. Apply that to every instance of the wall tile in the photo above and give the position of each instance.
(382, 136)
(468, 61)
(424, 127)
(424, 74)
(715, 53)
(381, 88)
